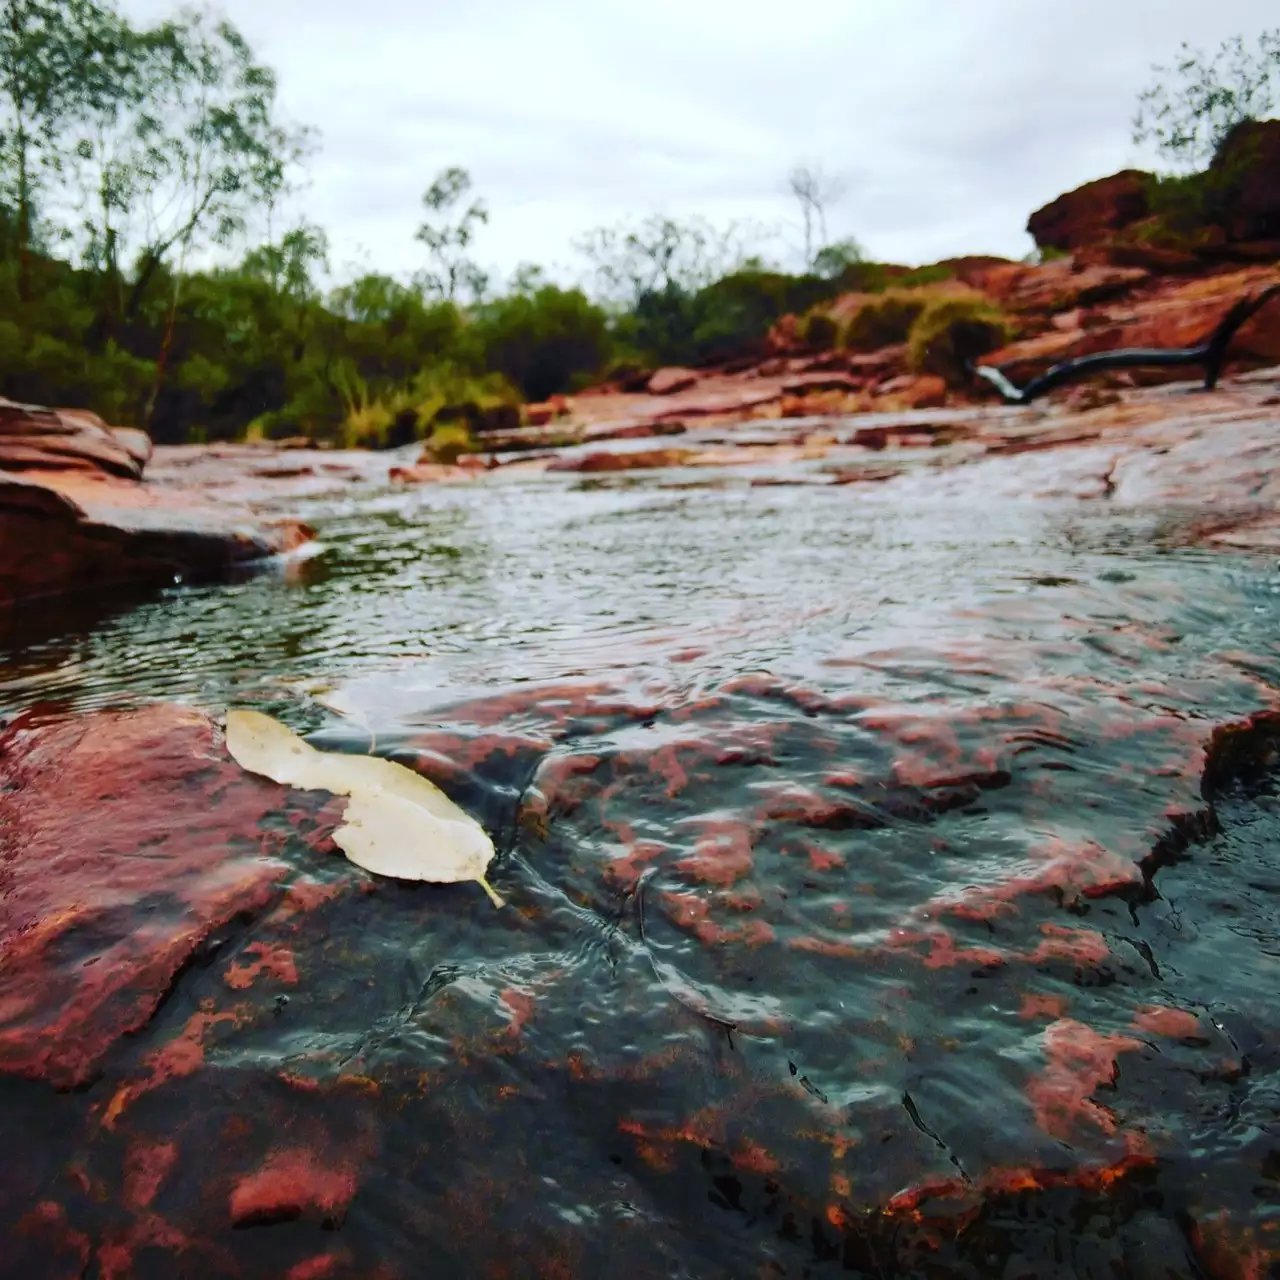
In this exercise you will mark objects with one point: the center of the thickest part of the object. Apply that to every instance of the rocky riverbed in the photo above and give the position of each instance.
(886, 809)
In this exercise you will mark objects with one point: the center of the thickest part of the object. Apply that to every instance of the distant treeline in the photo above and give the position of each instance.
(127, 155)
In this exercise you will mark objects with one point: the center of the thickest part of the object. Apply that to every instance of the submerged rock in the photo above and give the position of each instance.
(127, 840)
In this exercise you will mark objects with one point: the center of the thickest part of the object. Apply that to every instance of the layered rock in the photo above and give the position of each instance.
(75, 512)
(40, 439)
(1175, 313)
(80, 970)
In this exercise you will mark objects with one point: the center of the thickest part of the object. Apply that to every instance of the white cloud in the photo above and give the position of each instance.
(951, 123)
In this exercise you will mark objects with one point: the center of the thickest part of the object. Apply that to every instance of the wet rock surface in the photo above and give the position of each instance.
(76, 514)
(887, 826)
(33, 438)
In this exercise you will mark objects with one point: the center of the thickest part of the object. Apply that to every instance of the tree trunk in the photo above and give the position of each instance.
(24, 221)
(162, 360)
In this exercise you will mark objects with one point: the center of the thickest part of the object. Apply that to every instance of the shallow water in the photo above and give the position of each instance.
(863, 876)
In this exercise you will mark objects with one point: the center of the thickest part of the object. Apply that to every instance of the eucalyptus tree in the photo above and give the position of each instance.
(660, 254)
(448, 234)
(51, 58)
(204, 148)
(814, 190)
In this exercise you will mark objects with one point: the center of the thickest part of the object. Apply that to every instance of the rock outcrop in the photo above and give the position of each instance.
(667, 382)
(1091, 212)
(33, 438)
(1174, 313)
(75, 512)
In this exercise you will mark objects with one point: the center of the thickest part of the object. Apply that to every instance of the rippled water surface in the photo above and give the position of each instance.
(878, 902)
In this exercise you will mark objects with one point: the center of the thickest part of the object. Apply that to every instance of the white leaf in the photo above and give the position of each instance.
(396, 823)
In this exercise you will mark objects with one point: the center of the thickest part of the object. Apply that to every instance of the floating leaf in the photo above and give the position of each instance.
(396, 823)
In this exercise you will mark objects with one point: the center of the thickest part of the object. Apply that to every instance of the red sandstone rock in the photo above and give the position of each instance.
(1089, 213)
(622, 460)
(431, 473)
(1171, 313)
(126, 840)
(667, 382)
(1054, 287)
(35, 438)
(76, 515)
(290, 1184)
(914, 391)
(835, 380)
(541, 415)
(70, 530)
(634, 431)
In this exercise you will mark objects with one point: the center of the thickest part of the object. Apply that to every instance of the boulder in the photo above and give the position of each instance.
(34, 438)
(67, 531)
(1092, 212)
(1248, 166)
(668, 381)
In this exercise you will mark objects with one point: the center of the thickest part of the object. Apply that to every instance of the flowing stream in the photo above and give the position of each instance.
(862, 864)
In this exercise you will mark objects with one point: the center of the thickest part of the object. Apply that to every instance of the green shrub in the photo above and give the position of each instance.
(952, 331)
(864, 277)
(540, 341)
(819, 331)
(448, 442)
(884, 321)
(935, 273)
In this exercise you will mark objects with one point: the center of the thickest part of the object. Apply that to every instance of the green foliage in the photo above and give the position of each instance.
(128, 153)
(935, 273)
(1180, 204)
(832, 261)
(884, 321)
(819, 331)
(449, 442)
(542, 339)
(950, 332)
(728, 317)
(1196, 102)
(864, 277)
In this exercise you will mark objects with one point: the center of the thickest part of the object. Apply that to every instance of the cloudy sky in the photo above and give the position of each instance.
(947, 123)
